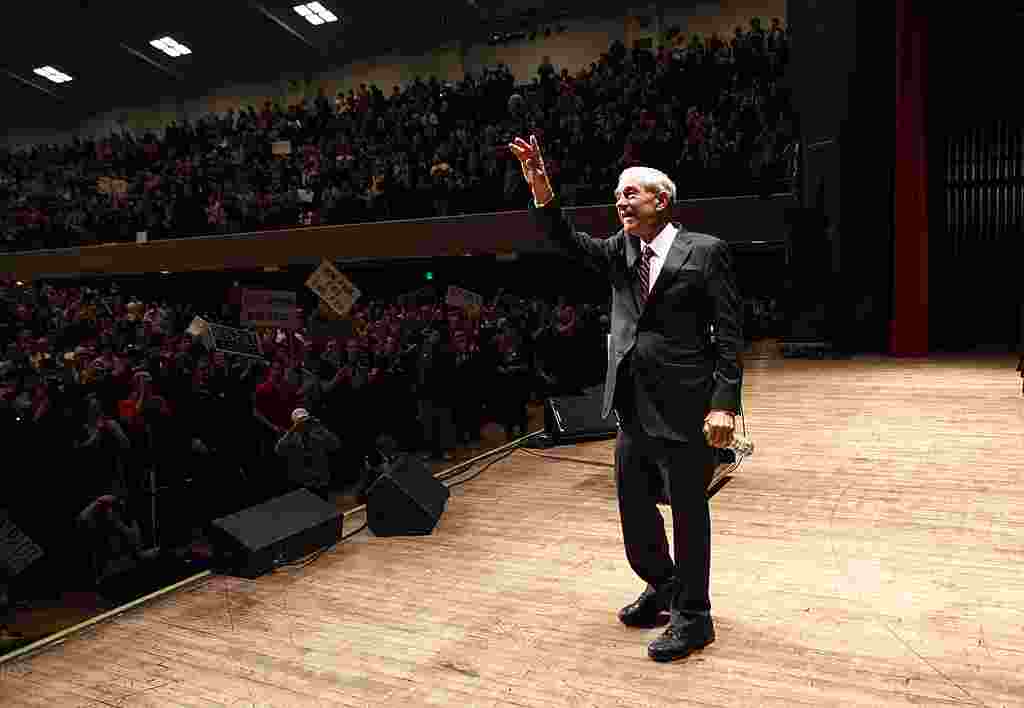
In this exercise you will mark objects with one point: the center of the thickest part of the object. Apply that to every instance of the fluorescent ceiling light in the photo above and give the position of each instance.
(48, 72)
(315, 13)
(171, 47)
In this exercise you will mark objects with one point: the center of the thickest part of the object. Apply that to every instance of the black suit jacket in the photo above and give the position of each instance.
(677, 376)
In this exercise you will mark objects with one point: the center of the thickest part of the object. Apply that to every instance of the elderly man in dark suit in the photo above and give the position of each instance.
(676, 395)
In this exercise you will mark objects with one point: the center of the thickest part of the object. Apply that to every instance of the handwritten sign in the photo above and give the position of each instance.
(270, 308)
(17, 551)
(460, 297)
(244, 342)
(333, 288)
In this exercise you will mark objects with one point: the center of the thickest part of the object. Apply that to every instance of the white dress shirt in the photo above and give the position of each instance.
(661, 245)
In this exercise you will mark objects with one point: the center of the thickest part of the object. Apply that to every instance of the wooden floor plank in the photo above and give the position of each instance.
(869, 554)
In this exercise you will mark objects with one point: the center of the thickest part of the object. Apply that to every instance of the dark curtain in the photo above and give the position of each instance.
(909, 332)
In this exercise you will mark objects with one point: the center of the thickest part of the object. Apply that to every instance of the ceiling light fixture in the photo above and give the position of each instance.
(170, 47)
(54, 75)
(315, 13)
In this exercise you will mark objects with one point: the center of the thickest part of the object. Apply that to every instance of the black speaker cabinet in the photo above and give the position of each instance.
(573, 419)
(405, 500)
(252, 542)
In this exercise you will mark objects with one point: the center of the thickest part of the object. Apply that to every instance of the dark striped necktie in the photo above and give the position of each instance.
(644, 271)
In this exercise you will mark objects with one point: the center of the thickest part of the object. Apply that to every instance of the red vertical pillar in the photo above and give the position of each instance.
(909, 326)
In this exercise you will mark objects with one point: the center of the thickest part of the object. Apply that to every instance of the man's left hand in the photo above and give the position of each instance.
(718, 428)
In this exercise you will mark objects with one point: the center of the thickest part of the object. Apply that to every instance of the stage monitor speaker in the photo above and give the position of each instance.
(573, 419)
(254, 541)
(405, 500)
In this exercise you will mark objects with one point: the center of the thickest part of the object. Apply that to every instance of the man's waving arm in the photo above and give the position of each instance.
(547, 212)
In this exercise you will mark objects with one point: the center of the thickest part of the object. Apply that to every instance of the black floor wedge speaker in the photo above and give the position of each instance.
(574, 419)
(254, 541)
(405, 500)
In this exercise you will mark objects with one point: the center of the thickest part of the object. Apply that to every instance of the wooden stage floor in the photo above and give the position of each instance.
(871, 553)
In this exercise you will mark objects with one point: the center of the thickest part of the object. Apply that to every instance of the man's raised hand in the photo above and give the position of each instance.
(532, 163)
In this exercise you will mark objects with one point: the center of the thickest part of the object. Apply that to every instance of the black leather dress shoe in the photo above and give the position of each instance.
(646, 610)
(679, 640)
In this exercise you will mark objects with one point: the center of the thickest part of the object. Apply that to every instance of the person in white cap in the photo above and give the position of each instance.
(306, 446)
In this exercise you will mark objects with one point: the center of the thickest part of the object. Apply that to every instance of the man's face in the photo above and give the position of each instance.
(639, 208)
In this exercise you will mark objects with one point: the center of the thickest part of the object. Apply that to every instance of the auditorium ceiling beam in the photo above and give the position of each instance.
(33, 84)
(273, 17)
(152, 62)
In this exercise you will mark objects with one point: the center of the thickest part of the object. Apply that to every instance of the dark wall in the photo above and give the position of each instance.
(548, 276)
(761, 272)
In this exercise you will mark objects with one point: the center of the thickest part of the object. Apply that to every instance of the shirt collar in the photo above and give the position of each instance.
(663, 241)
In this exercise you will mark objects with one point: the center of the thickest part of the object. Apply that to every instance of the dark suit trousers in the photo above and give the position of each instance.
(642, 464)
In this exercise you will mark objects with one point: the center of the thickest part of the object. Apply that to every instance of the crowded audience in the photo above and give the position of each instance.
(107, 402)
(711, 113)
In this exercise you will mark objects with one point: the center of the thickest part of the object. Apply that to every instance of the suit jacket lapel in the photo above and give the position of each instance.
(632, 256)
(632, 250)
(678, 255)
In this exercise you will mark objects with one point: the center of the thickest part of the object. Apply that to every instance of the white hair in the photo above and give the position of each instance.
(650, 179)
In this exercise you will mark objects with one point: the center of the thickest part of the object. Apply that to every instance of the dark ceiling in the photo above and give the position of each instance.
(104, 45)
